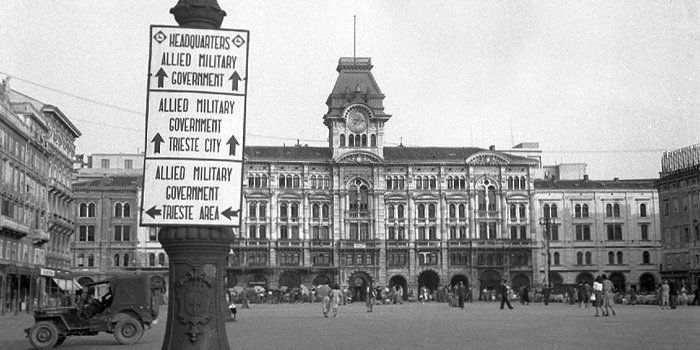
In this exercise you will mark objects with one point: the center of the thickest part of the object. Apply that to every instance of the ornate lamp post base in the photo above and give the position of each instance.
(196, 290)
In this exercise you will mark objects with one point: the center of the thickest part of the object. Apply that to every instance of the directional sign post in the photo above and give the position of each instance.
(195, 127)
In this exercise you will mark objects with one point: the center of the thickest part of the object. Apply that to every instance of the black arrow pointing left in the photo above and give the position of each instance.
(228, 213)
(153, 212)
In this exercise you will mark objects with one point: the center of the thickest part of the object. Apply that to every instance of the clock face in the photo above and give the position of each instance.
(356, 120)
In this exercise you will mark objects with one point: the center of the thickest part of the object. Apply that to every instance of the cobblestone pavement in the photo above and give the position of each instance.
(430, 326)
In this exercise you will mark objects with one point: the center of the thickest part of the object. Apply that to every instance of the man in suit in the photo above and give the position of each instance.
(461, 294)
(504, 295)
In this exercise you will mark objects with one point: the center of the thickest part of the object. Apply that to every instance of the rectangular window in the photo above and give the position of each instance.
(354, 232)
(152, 234)
(555, 232)
(283, 232)
(128, 164)
(644, 232)
(105, 163)
(295, 232)
(614, 232)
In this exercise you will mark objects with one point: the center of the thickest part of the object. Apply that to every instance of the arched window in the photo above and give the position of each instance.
(364, 140)
(514, 232)
(616, 210)
(556, 258)
(433, 182)
(523, 232)
(325, 212)
(262, 232)
(313, 181)
(251, 210)
(608, 210)
(117, 210)
(554, 210)
(619, 258)
(252, 230)
(91, 260)
(545, 209)
(513, 212)
(577, 210)
(491, 193)
(579, 258)
(289, 181)
(295, 211)
(342, 140)
(643, 210)
(589, 258)
(392, 233)
(127, 210)
(83, 212)
(315, 212)
(431, 211)
(584, 210)
(152, 259)
(462, 211)
(263, 181)
(373, 140)
(283, 210)
(510, 182)
(646, 259)
(116, 259)
(126, 259)
(452, 211)
(522, 212)
(251, 181)
(400, 211)
(81, 260)
(390, 211)
(297, 182)
(611, 258)
(161, 259)
(421, 211)
(256, 183)
(522, 183)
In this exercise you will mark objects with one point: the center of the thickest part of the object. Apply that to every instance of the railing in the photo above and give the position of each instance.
(321, 243)
(397, 244)
(19, 229)
(290, 243)
(358, 214)
(427, 243)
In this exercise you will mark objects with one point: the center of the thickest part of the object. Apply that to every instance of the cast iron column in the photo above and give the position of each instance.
(197, 253)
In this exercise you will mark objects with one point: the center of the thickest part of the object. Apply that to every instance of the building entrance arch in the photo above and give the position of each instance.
(459, 278)
(289, 279)
(257, 280)
(618, 281)
(584, 277)
(357, 284)
(490, 280)
(399, 281)
(321, 279)
(520, 280)
(429, 279)
(647, 282)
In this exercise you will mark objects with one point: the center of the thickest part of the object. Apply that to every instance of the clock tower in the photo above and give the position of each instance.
(355, 117)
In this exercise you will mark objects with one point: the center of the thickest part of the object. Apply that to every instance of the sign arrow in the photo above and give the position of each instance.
(153, 212)
(157, 140)
(228, 213)
(161, 74)
(235, 78)
(232, 142)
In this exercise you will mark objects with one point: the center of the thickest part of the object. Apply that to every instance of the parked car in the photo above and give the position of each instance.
(125, 310)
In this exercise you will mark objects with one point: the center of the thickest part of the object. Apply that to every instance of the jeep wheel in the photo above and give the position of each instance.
(43, 335)
(128, 331)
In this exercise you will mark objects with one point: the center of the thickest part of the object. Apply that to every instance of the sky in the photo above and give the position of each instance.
(612, 84)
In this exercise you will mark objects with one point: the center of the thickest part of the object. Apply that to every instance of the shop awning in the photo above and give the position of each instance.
(67, 285)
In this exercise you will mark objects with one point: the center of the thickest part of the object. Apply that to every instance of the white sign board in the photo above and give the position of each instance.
(195, 127)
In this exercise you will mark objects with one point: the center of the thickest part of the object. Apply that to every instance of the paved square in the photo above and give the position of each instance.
(430, 326)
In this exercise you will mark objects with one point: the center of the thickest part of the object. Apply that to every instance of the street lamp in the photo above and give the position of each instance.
(547, 222)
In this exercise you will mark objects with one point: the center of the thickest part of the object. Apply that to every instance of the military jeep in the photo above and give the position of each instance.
(124, 311)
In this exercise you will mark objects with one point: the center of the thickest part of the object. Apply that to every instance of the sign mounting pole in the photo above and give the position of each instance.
(193, 166)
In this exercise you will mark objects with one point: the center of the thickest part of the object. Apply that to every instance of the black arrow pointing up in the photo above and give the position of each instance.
(157, 140)
(232, 142)
(228, 213)
(235, 78)
(153, 212)
(161, 74)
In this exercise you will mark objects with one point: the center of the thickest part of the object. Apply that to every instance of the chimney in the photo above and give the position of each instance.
(585, 177)
(616, 179)
(492, 148)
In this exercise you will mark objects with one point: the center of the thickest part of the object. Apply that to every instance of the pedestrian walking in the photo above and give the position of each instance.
(504, 295)
(423, 295)
(588, 294)
(399, 294)
(665, 290)
(525, 296)
(697, 296)
(370, 299)
(597, 297)
(232, 307)
(324, 292)
(673, 294)
(335, 299)
(461, 294)
(683, 297)
(581, 291)
(545, 291)
(608, 296)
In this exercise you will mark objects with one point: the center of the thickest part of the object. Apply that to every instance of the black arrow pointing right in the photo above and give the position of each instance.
(161, 74)
(153, 212)
(157, 140)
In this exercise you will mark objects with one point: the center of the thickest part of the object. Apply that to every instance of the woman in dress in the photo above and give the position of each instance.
(335, 299)
(598, 294)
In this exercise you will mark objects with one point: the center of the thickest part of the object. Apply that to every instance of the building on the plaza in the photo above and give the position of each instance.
(679, 198)
(596, 227)
(37, 145)
(108, 238)
(359, 212)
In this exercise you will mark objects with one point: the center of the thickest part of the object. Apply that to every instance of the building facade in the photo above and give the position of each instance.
(108, 238)
(358, 212)
(37, 145)
(598, 227)
(679, 196)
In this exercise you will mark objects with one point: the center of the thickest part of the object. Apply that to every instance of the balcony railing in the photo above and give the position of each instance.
(40, 236)
(318, 243)
(427, 243)
(397, 244)
(290, 243)
(15, 228)
(354, 214)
